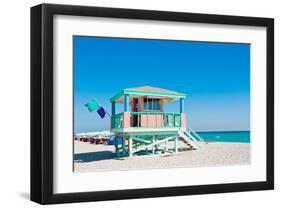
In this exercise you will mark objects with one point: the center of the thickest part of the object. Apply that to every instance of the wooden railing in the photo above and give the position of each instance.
(194, 134)
(117, 121)
(148, 120)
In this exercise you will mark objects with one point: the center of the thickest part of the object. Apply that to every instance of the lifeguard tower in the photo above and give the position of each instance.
(144, 128)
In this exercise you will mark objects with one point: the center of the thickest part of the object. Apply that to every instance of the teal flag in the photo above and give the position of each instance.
(92, 105)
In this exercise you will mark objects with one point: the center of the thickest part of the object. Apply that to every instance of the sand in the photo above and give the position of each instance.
(91, 157)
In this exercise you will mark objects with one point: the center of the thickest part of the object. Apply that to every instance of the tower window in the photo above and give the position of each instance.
(151, 104)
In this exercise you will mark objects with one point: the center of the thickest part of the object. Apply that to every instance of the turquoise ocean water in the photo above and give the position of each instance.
(226, 136)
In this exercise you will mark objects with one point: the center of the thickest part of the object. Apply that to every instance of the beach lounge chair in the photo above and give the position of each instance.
(98, 141)
(93, 140)
(86, 139)
(105, 140)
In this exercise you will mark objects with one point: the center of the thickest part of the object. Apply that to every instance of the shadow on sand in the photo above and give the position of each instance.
(94, 156)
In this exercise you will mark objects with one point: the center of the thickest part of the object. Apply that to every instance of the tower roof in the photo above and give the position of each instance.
(148, 91)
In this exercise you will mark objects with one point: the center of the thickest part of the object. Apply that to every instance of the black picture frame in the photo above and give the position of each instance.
(42, 103)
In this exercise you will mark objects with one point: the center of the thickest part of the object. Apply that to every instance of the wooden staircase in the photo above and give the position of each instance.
(191, 138)
(187, 143)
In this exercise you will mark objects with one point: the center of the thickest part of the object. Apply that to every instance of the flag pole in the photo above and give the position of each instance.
(105, 111)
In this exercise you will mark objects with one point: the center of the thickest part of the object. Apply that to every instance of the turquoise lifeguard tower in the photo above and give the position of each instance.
(144, 128)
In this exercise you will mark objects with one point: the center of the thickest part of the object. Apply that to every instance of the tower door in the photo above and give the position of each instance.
(136, 101)
(135, 109)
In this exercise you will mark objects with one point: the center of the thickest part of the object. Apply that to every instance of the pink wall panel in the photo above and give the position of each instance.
(150, 120)
(183, 120)
(126, 119)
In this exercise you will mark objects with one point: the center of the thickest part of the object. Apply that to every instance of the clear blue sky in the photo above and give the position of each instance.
(215, 77)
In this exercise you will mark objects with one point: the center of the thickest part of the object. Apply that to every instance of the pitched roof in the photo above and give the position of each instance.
(148, 91)
(148, 88)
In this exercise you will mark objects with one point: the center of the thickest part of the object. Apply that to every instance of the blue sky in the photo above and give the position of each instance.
(215, 77)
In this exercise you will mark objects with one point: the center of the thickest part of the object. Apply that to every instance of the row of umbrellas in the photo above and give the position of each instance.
(94, 137)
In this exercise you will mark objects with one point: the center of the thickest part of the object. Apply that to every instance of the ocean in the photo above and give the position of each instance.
(226, 136)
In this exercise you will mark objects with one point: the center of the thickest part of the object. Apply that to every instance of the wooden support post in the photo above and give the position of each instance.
(176, 144)
(156, 140)
(113, 108)
(123, 144)
(181, 105)
(126, 103)
(153, 146)
(116, 145)
(130, 146)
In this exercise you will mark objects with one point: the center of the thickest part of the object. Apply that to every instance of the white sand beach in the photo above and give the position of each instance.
(91, 157)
